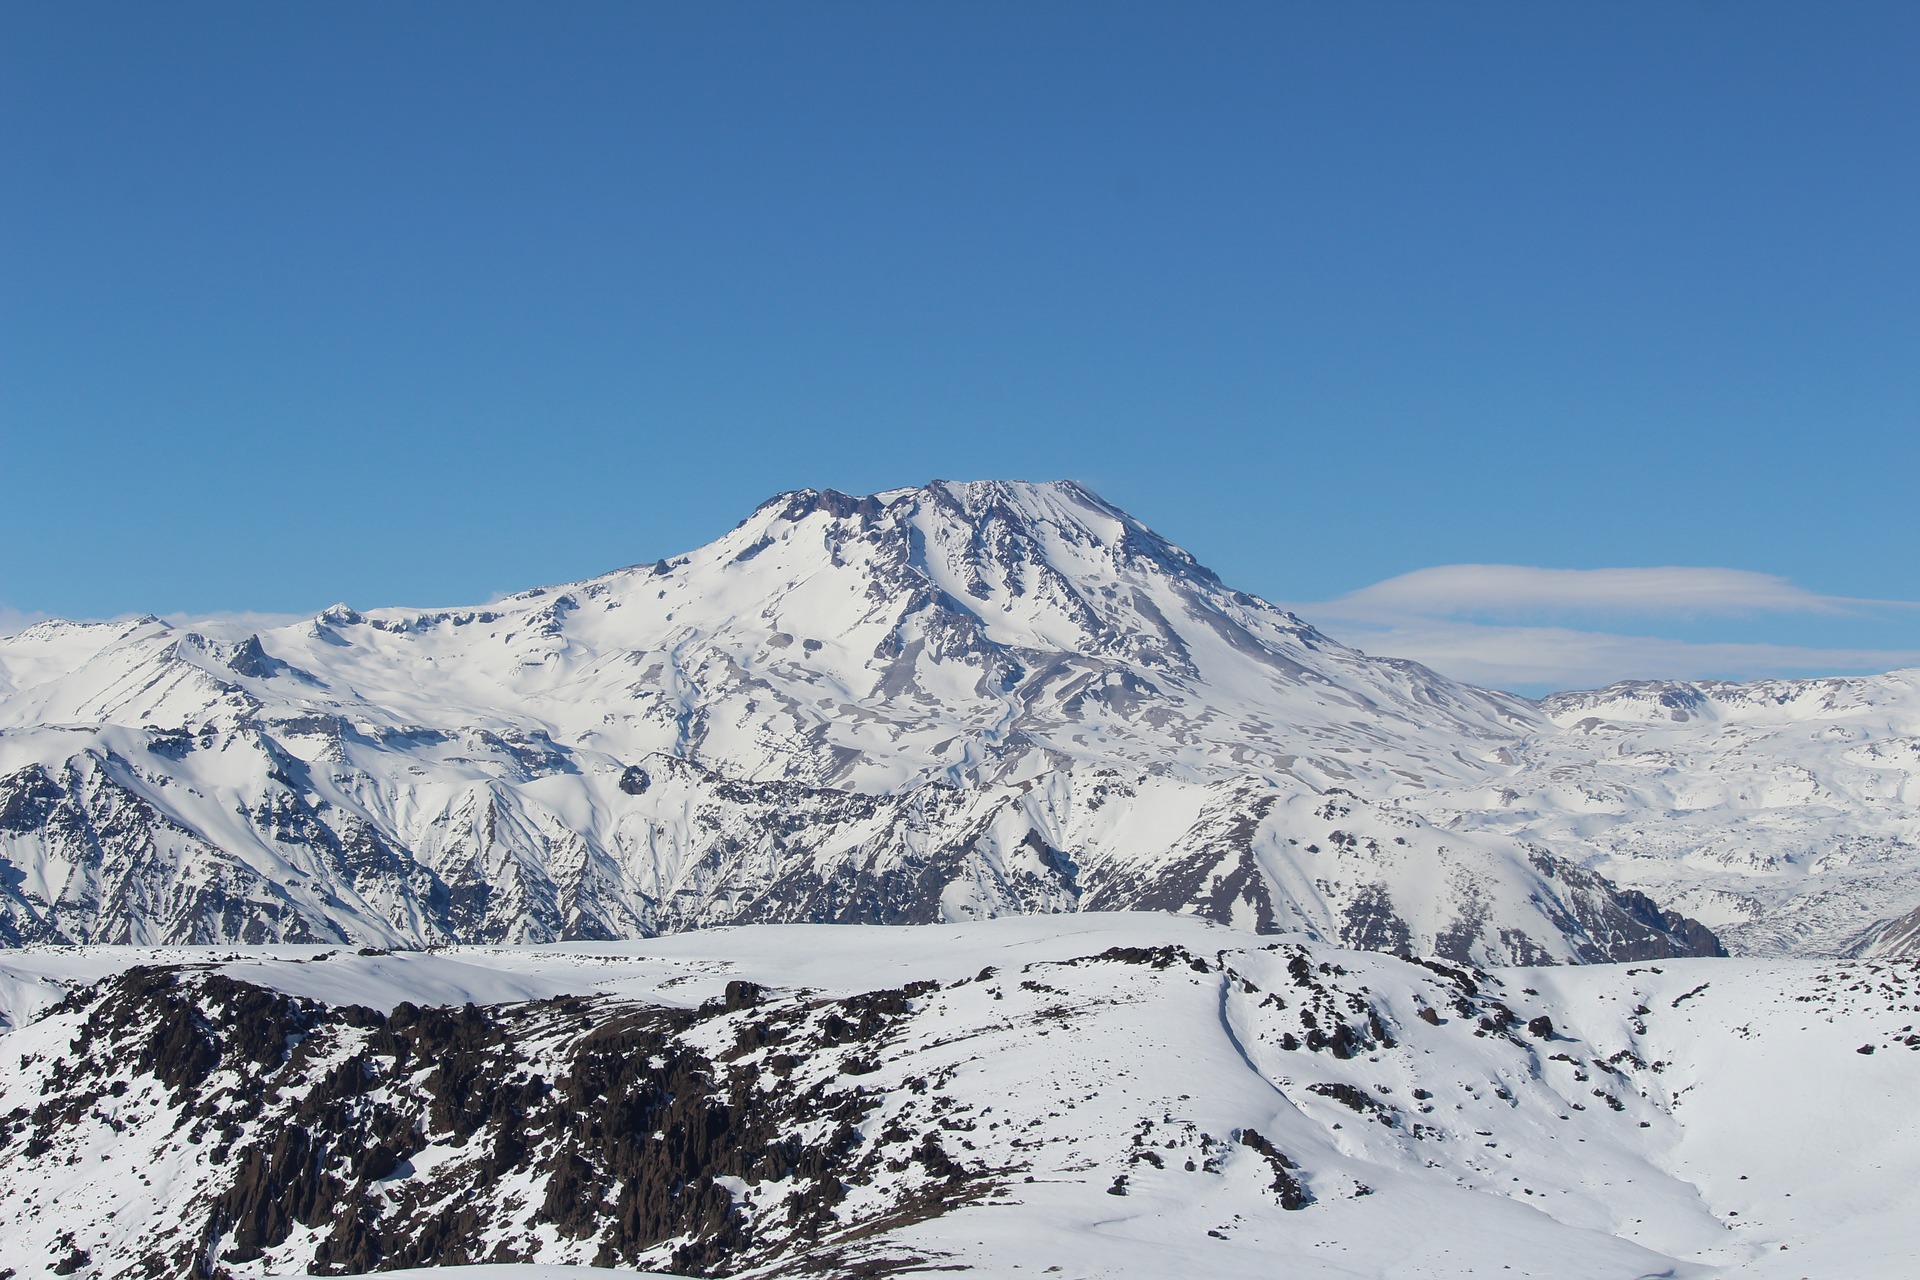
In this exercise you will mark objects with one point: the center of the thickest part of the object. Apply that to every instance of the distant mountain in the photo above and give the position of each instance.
(1783, 813)
(940, 703)
(1898, 938)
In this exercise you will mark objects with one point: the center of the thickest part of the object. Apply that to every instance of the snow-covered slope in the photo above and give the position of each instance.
(1093, 1095)
(1785, 814)
(1890, 939)
(951, 702)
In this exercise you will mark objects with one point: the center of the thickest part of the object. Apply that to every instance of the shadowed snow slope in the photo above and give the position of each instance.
(1094, 1095)
(944, 703)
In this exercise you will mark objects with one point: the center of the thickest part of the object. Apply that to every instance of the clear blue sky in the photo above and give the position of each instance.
(419, 303)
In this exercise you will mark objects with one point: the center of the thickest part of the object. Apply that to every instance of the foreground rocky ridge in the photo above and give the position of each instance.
(959, 701)
(1122, 1095)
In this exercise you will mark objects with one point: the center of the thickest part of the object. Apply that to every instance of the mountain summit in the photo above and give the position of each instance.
(962, 700)
(968, 633)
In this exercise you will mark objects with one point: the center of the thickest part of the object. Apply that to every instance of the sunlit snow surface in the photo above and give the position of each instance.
(1695, 1118)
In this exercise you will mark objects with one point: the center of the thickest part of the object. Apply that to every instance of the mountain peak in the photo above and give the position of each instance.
(966, 500)
(977, 535)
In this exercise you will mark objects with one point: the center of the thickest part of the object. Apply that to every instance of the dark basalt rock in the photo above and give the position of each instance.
(1357, 1100)
(1160, 957)
(741, 994)
(1326, 1014)
(1292, 1192)
(627, 1133)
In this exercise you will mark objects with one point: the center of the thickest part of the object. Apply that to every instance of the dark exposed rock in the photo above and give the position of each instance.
(741, 994)
(626, 1130)
(1356, 1100)
(75, 1259)
(1292, 1192)
(249, 658)
(1372, 923)
(1160, 957)
(1219, 875)
(1611, 924)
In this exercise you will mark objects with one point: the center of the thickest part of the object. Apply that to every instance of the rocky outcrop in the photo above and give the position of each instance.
(625, 1131)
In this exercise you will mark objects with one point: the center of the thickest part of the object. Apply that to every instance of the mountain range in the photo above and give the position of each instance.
(936, 704)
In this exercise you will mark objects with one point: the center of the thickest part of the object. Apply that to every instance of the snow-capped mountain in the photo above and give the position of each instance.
(957, 701)
(1115, 1096)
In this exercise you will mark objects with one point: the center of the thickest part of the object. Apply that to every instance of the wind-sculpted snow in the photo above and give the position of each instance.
(942, 703)
(1092, 1095)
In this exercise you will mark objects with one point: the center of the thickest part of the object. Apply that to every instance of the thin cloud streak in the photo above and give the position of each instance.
(1504, 625)
(1541, 659)
(233, 620)
(13, 621)
(1511, 590)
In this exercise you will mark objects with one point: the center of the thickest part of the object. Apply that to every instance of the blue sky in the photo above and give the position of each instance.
(424, 303)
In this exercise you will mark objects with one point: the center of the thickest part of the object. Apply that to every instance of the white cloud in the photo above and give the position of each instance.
(1457, 590)
(236, 620)
(13, 620)
(1484, 623)
(1544, 658)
